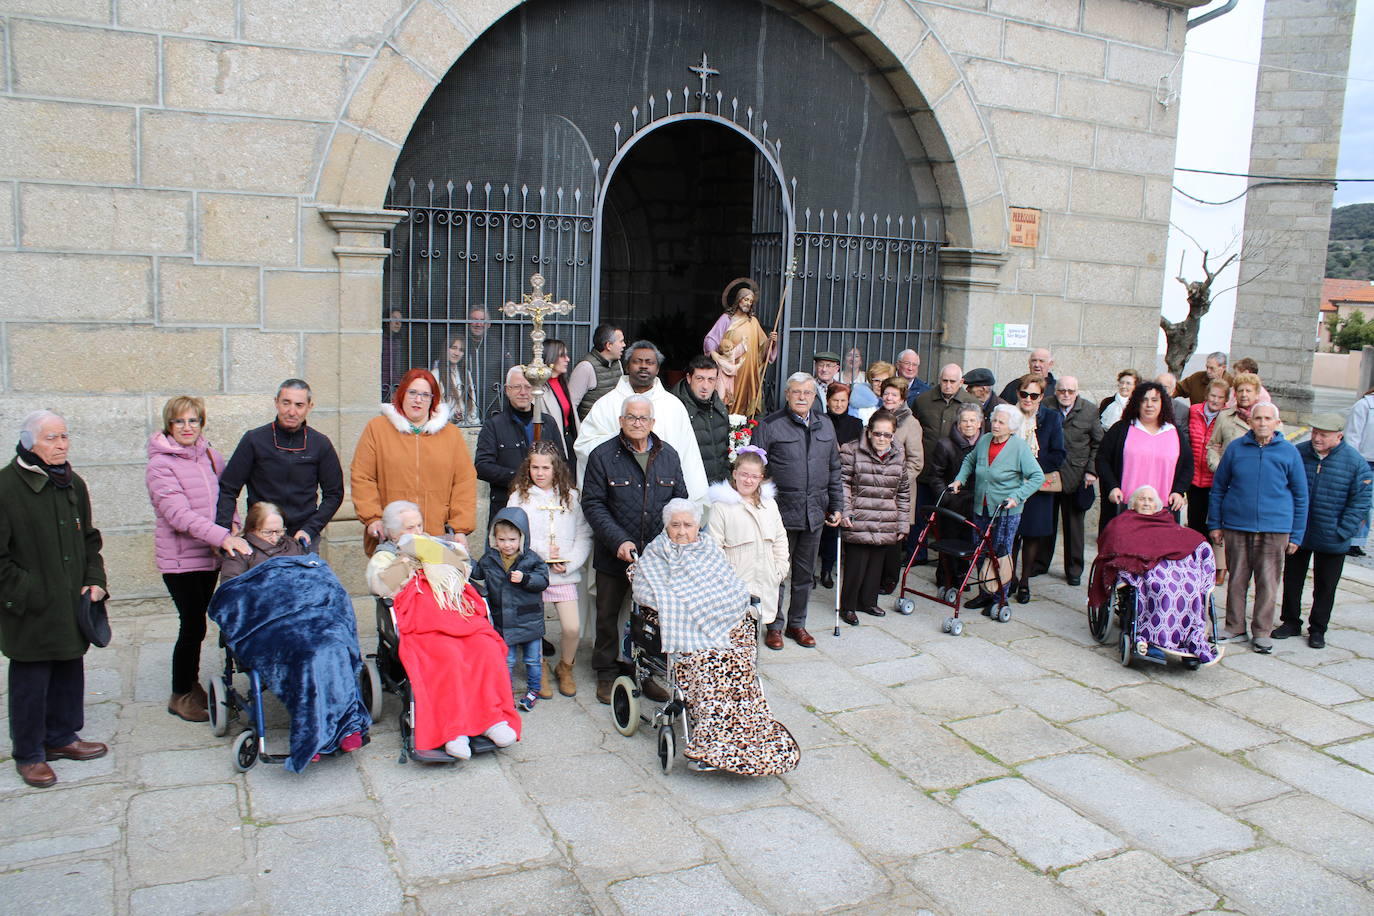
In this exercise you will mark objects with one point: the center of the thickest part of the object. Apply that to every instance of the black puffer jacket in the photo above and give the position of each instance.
(501, 447)
(805, 464)
(711, 423)
(877, 492)
(517, 608)
(623, 503)
(944, 466)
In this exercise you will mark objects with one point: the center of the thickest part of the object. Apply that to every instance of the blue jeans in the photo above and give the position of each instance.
(533, 654)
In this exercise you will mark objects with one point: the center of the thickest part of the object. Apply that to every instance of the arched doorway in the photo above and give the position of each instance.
(686, 209)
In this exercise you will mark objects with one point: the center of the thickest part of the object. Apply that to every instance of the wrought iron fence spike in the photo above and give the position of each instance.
(653, 100)
(720, 99)
(668, 94)
(765, 130)
(469, 186)
(431, 185)
(450, 187)
(734, 109)
(411, 183)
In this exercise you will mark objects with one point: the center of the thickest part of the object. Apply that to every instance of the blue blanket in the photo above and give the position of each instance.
(292, 622)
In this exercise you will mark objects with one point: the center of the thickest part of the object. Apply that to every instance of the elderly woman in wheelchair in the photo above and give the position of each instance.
(436, 647)
(1154, 578)
(694, 621)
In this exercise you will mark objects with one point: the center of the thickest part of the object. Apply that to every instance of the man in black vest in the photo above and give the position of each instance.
(598, 371)
(709, 415)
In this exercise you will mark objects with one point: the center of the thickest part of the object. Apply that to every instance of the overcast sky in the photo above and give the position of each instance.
(1357, 132)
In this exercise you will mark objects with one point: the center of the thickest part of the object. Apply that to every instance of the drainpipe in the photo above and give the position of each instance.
(1213, 14)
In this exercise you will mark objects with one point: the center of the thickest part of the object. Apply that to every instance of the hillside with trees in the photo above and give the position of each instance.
(1350, 247)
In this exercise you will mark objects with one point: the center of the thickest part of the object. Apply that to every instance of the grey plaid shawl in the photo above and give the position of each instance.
(697, 595)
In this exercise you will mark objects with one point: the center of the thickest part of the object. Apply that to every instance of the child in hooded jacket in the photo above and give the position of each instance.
(515, 578)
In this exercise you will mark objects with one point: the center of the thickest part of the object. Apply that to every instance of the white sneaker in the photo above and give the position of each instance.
(501, 734)
(459, 747)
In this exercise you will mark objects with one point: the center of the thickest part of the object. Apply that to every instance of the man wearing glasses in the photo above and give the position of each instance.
(287, 463)
(505, 439)
(627, 482)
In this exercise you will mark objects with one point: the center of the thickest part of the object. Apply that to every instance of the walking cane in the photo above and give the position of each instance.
(839, 579)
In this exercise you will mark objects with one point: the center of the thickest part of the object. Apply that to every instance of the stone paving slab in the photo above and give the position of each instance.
(1057, 699)
(1044, 831)
(1360, 753)
(60, 845)
(687, 891)
(1217, 780)
(636, 833)
(536, 892)
(795, 860)
(1340, 840)
(827, 686)
(979, 658)
(1306, 721)
(898, 671)
(1205, 724)
(973, 881)
(1358, 673)
(1091, 667)
(1135, 806)
(1313, 686)
(949, 698)
(1280, 881)
(1016, 735)
(1306, 769)
(1135, 883)
(63, 890)
(309, 876)
(1129, 734)
(231, 894)
(883, 813)
(175, 827)
(930, 756)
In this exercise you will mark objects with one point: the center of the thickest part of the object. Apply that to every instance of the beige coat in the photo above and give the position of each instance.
(754, 541)
(910, 438)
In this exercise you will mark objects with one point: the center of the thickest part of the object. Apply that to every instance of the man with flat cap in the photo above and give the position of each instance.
(979, 383)
(1338, 490)
(825, 369)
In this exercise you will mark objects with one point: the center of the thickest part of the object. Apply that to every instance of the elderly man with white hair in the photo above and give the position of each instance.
(672, 423)
(50, 564)
(1040, 362)
(506, 436)
(909, 367)
(627, 482)
(1258, 510)
(804, 459)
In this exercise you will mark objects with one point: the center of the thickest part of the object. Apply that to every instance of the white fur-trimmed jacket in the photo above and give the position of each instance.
(754, 541)
(565, 524)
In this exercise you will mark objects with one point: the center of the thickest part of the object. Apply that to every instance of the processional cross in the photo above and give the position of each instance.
(535, 306)
(705, 71)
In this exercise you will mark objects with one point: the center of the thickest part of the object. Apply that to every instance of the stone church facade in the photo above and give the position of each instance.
(193, 197)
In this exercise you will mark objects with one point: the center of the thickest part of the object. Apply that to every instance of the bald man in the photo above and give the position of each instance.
(936, 410)
(1040, 362)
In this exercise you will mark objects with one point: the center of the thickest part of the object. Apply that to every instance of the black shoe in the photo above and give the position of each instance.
(1316, 640)
(827, 579)
(981, 600)
(1286, 630)
(874, 611)
(1355, 551)
(1023, 592)
(850, 617)
(815, 581)
(1075, 581)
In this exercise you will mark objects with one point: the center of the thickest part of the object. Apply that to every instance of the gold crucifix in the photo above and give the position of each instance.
(552, 510)
(536, 305)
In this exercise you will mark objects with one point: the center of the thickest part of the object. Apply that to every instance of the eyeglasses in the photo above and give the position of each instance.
(638, 421)
(272, 532)
(877, 435)
(742, 475)
(194, 421)
(1029, 395)
(1062, 390)
(419, 395)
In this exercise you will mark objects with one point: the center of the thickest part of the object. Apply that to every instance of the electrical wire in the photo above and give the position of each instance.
(1258, 184)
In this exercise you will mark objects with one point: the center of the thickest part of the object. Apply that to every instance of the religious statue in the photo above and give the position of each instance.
(736, 342)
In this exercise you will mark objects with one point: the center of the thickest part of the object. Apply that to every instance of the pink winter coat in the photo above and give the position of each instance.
(183, 484)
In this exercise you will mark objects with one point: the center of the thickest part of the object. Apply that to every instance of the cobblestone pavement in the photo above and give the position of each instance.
(1016, 769)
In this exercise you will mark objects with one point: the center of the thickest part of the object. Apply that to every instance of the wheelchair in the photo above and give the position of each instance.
(1122, 612)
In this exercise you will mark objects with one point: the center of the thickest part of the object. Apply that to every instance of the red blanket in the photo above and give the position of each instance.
(456, 665)
(1136, 544)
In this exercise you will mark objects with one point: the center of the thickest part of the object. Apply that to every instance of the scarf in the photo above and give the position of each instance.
(1027, 432)
(1137, 543)
(444, 565)
(1244, 412)
(698, 596)
(59, 474)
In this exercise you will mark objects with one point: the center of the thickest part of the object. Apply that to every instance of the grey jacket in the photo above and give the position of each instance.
(805, 463)
(1082, 435)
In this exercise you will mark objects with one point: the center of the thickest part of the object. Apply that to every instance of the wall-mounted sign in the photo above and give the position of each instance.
(1011, 336)
(1025, 227)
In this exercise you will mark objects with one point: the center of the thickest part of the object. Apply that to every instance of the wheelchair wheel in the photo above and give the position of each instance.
(624, 706)
(245, 751)
(667, 747)
(218, 708)
(370, 687)
(1100, 621)
(1127, 650)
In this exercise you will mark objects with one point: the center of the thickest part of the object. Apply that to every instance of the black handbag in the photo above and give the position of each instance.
(93, 621)
(1085, 496)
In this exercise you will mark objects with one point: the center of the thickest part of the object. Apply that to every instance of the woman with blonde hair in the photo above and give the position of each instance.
(183, 484)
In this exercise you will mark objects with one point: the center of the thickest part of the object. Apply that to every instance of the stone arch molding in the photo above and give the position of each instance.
(432, 34)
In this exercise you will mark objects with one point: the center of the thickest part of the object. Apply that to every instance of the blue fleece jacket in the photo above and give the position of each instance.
(1338, 488)
(1260, 488)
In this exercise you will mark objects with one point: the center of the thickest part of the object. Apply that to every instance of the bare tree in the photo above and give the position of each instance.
(1180, 337)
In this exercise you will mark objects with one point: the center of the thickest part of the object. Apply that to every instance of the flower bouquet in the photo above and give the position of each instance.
(741, 432)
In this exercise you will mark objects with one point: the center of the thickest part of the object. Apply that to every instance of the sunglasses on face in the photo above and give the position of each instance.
(1029, 395)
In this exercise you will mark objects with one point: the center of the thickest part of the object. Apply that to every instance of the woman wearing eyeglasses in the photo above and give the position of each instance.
(413, 452)
(1042, 428)
(183, 484)
(877, 498)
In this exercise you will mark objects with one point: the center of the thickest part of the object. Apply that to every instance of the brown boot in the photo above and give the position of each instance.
(186, 706)
(546, 685)
(566, 685)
